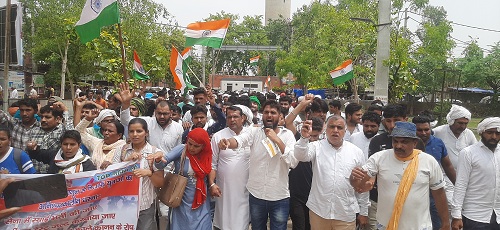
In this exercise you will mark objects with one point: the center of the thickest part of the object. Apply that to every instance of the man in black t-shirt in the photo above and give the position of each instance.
(300, 179)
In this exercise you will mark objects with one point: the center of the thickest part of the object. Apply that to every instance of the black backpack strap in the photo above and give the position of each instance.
(17, 158)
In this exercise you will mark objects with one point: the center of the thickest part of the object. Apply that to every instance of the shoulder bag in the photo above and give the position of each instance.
(173, 186)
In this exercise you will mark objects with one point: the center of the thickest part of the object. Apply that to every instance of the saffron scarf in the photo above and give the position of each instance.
(405, 184)
(201, 164)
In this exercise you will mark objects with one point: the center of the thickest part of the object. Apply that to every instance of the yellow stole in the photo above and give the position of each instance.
(409, 176)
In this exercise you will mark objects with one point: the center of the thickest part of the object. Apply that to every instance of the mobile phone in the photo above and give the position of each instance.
(35, 190)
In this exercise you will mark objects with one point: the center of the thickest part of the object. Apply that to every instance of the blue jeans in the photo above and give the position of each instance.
(474, 225)
(277, 211)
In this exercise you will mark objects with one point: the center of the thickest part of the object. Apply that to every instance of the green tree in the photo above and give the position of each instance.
(492, 71)
(480, 71)
(324, 37)
(52, 44)
(54, 41)
(432, 53)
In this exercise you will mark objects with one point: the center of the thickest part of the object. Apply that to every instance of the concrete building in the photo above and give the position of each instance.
(277, 8)
(243, 83)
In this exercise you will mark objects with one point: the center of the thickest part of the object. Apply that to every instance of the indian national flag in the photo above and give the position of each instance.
(139, 73)
(267, 84)
(254, 61)
(186, 57)
(209, 34)
(186, 60)
(176, 69)
(96, 14)
(342, 73)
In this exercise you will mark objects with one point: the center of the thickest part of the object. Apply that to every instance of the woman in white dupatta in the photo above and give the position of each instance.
(102, 150)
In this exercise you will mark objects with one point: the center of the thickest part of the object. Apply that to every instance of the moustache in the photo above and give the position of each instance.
(398, 150)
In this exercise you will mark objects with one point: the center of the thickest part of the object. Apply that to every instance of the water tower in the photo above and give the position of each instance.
(277, 8)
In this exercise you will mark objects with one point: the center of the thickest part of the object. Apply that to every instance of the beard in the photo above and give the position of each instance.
(270, 125)
(199, 125)
(491, 143)
(369, 134)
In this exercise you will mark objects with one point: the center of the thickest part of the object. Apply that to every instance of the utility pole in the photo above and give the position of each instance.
(6, 57)
(383, 51)
(440, 119)
(33, 63)
(406, 24)
(213, 67)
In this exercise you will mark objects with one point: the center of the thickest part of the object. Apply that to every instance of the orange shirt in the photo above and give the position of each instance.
(102, 103)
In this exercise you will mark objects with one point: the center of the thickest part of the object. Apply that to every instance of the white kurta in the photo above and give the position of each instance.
(232, 209)
(453, 145)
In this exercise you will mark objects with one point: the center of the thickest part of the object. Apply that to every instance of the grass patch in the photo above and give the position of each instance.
(473, 125)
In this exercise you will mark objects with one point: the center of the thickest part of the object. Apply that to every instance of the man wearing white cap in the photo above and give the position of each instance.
(476, 197)
(230, 168)
(456, 136)
(225, 97)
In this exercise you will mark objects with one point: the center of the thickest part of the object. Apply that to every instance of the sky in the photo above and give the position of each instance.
(479, 13)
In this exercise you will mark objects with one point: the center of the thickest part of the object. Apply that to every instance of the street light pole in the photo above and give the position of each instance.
(381, 91)
(7, 58)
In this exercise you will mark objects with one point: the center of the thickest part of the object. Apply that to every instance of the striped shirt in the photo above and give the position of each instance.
(20, 133)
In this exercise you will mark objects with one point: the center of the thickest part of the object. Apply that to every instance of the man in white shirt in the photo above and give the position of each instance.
(456, 136)
(286, 103)
(163, 133)
(334, 107)
(78, 91)
(33, 93)
(353, 113)
(230, 169)
(477, 189)
(405, 175)
(14, 94)
(332, 202)
(255, 107)
(200, 98)
(371, 122)
(271, 157)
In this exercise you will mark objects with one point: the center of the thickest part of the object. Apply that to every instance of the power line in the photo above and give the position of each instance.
(468, 43)
(456, 39)
(474, 27)
(459, 24)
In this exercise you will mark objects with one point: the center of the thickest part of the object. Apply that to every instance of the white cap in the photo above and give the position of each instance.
(301, 98)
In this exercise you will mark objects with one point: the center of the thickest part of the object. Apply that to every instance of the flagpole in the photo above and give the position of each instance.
(190, 69)
(213, 66)
(193, 73)
(122, 51)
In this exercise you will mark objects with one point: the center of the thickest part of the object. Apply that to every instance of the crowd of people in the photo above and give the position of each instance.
(261, 159)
